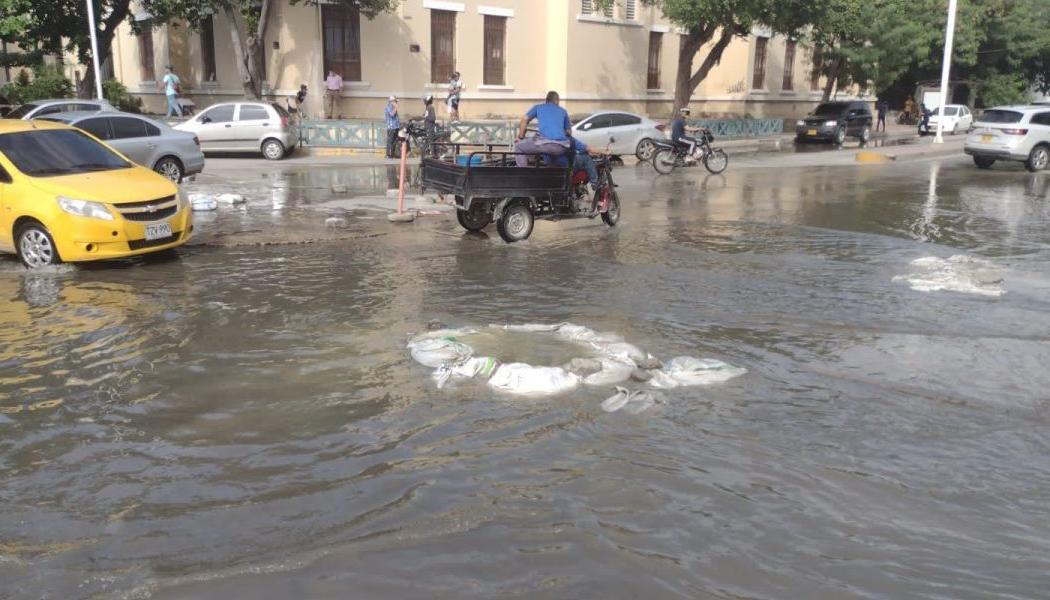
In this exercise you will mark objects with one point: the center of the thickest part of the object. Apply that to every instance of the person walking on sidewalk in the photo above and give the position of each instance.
(455, 88)
(393, 125)
(333, 90)
(881, 107)
(172, 88)
(553, 133)
(429, 122)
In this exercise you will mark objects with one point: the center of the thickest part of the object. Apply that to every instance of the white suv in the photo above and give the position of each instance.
(1018, 133)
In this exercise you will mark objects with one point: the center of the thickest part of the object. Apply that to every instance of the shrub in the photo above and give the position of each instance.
(118, 96)
(46, 82)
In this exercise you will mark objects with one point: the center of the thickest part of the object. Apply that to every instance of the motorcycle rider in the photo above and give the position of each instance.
(679, 130)
(554, 128)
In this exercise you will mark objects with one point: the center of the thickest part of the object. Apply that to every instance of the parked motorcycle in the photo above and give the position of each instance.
(670, 155)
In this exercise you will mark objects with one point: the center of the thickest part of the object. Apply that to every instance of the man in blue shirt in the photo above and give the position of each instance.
(554, 131)
(679, 130)
(393, 125)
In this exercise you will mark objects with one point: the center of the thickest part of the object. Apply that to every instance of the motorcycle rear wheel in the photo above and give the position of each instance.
(664, 161)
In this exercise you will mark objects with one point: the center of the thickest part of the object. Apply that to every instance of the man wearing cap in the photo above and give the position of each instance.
(393, 125)
(333, 89)
(171, 85)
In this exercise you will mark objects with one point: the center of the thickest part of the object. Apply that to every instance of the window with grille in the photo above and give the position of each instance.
(630, 9)
(586, 7)
(607, 10)
(814, 74)
(145, 37)
(789, 65)
(342, 41)
(758, 82)
(656, 41)
(442, 45)
(495, 34)
(208, 49)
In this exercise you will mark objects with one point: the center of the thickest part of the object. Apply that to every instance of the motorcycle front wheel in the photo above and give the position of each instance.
(716, 161)
(664, 161)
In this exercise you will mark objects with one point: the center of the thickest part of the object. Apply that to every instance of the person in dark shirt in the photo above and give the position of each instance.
(679, 130)
(429, 120)
(881, 107)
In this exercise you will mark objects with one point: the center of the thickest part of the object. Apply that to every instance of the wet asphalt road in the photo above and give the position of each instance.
(244, 420)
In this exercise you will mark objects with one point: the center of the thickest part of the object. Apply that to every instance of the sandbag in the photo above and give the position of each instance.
(687, 370)
(434, 352)
(620, 351)
(521, 378)
(527, 328)
(616, 401)
(230, 199)
(203, 202)
(481, 366)
(640, 402)
(612, 371)
(662, 380)
(584, 335)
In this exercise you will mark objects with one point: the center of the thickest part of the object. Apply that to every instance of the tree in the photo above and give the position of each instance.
(249, 20)
(716, 23)
(52, 28)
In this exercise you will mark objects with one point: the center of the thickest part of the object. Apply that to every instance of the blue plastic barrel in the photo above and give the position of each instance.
(461, 159)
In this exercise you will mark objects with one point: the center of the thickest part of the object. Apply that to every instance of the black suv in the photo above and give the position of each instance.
(834, 121)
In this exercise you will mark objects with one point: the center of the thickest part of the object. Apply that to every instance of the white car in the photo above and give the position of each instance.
(244, 127)
(957, 118)
(634, 134)
(39, 108)
(1016, 133)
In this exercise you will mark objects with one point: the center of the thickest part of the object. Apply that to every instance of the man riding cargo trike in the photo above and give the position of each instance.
(545, 176)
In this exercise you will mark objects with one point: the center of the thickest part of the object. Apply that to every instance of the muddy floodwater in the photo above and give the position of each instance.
(244, 421)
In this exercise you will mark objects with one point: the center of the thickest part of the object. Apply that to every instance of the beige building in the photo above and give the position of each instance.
(509, 52)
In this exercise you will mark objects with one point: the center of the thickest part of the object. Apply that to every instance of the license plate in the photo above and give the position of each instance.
(986, 138)
(811, 132)
(158, 231)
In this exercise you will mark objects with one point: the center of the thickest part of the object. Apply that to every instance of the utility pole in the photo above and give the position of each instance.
(946, 67)
(94, 47)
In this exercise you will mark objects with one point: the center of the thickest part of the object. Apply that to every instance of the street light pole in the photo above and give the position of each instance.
(94, 47)
(946, 67)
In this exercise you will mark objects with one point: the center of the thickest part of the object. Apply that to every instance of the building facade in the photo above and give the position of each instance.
(509, 54)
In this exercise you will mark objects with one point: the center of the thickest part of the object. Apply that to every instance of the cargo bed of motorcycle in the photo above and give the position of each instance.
(485, 173)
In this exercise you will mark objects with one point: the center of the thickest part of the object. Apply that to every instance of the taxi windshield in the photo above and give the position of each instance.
(53, 152)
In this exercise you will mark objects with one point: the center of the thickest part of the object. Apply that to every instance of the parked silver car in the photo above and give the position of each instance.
(245, 127)
(39, 108)
(174, 154)
(1017, 133)
(634, 134)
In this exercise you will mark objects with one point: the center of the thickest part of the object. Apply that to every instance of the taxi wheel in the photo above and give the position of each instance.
(36, 248)
(169, 167)
(273, 149)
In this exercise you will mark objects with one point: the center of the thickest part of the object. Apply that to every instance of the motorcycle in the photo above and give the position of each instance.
(670, 155)
(417, 133)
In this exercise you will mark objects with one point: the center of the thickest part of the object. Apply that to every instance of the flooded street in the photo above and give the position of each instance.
(244, 420)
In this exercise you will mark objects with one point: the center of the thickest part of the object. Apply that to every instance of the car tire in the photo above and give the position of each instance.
(516, 222)
(1038, 158)
(865, 135)
(645, 150)
(170, 168)
(840, 136)
(273, 149)
(36, 248)
(955, 129)
(983, 162)
(477, 218)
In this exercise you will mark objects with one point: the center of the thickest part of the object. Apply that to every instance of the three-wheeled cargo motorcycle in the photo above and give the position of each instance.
(489, 187)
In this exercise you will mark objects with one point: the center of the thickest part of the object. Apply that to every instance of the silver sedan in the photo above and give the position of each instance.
(174, 154)
(621, 132)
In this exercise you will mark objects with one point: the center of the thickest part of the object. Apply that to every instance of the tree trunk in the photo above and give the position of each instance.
(106, 30)
(833, 76)
(248, 85)
(686, 80)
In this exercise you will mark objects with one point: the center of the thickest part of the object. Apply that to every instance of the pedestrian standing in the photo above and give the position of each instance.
(882, 107)
(455, 88)
(429, 122)
(333, 90)
(172, 87)
(393, 125)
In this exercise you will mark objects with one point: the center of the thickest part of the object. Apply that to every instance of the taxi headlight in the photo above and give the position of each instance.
(85, 208)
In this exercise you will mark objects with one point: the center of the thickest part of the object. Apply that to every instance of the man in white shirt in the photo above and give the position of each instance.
(333, 90)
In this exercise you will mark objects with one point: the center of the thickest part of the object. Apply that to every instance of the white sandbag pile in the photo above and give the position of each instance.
(610, 360)
(203, 202)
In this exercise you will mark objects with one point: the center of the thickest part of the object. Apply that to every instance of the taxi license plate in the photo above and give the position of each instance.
(158, 231)
(811, 132)
(986, 138)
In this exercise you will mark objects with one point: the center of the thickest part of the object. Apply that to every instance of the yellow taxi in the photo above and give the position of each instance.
(65, 196)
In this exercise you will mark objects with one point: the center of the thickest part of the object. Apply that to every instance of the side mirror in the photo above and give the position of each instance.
(205, 119)
(587, 125)
(4, 176)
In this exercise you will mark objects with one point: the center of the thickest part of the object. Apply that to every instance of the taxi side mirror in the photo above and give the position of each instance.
(5, 177)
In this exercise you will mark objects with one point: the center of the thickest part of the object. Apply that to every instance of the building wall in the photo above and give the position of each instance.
(594, 62)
